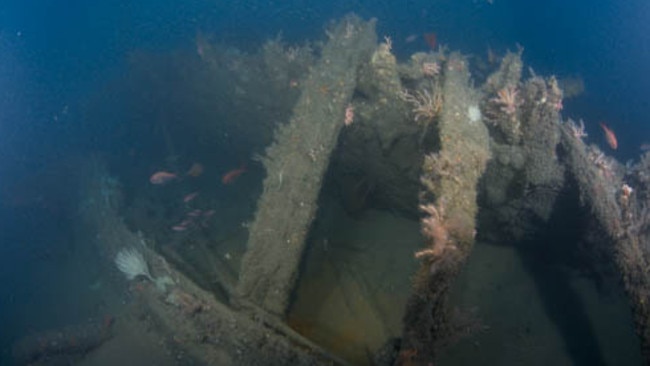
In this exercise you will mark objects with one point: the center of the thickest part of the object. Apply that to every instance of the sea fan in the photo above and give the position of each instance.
(131, 262)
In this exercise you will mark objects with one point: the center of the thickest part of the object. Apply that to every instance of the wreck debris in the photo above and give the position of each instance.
(67, 343)
(521, 186)
(449, 202)
(302, 152)
(524, 178)
(502, 107)
(208, 332)
(621, 213)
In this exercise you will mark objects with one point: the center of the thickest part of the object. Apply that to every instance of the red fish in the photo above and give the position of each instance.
(179, 227)
(206, 217)
(184, 225)
(190, 197)
(431, 39)
(108, 321)
(609, 136)
(230, 177)
(162, 177)
(194, 213)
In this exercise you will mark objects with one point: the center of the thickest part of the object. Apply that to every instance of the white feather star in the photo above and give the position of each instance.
(131, 262)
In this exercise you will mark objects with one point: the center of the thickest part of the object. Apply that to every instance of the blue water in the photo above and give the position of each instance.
(53, 54)
(59, 62)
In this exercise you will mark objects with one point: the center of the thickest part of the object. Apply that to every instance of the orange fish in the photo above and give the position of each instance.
(609, 136)
(162, 177)
(230, 177)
